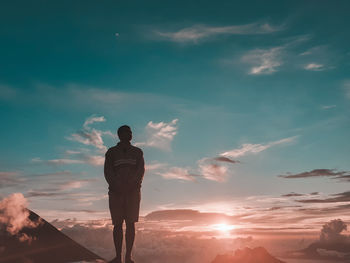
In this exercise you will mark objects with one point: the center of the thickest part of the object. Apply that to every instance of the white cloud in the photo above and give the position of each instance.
(160, 134)
(178, 173)
(314, 67)
(199, 32)
(264, 61)
(249, 148)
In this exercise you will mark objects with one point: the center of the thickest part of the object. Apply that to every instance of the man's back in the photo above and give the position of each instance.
(124, 167)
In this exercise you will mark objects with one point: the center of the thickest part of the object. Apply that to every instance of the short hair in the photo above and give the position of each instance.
(121, 129)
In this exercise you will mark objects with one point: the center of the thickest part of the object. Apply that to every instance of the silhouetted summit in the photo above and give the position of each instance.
(247, 255)
(43, 243)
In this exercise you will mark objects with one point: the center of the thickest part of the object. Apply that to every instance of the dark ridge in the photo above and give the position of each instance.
(47, 244)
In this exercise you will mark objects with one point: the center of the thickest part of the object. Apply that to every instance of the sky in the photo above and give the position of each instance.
(240, 108)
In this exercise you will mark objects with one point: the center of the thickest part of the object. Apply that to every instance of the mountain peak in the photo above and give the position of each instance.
(247, 255)
(47, 244)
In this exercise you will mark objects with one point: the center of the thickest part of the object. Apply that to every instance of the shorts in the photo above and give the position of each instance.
(124, 206)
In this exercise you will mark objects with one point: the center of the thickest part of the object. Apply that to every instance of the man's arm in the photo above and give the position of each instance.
(108, 167)
(140, 170)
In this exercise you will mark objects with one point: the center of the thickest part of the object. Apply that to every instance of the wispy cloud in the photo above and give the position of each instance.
(36, 193)
(57, 161)
(217, 168)
(195, 33)
(341, 175)
(54, 174)
(327, 107)
(8, 179)
(314, 67)
(212, 170)
(91, 136)
(225, 159)
(82, 158)
(73, 184)
(339, 198)
(60, 188)
(160, 134)
(292, 195)
(154, 166)
(93, 119)
(95, 160)
(316, 51)
(6, 174)
(178, 173)
(86, 136)
(317, 58)
(264, 61)
(249, 148)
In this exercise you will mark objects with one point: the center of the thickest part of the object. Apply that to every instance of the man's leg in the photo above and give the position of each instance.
(129, 238)
(118, 240)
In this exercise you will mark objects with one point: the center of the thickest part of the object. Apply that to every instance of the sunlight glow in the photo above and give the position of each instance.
(223, 227)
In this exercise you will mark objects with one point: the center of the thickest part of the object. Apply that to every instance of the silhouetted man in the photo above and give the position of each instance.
(124, 169)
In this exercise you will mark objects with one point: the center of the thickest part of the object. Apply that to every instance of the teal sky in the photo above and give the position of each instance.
(263, 83)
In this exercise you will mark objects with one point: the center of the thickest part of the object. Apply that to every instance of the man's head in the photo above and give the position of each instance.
(124, 133)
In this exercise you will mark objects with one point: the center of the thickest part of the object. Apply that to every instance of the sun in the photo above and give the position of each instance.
(223, 227)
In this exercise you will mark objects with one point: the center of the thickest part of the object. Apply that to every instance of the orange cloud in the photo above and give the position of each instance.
(14, 215)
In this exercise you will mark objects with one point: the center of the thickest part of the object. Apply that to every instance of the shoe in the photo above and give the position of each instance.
(115, 260)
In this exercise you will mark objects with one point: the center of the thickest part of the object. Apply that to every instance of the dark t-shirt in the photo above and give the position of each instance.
(124, 168)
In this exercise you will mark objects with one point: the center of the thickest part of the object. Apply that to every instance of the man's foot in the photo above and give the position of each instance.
(115, 260)
(129, 260)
